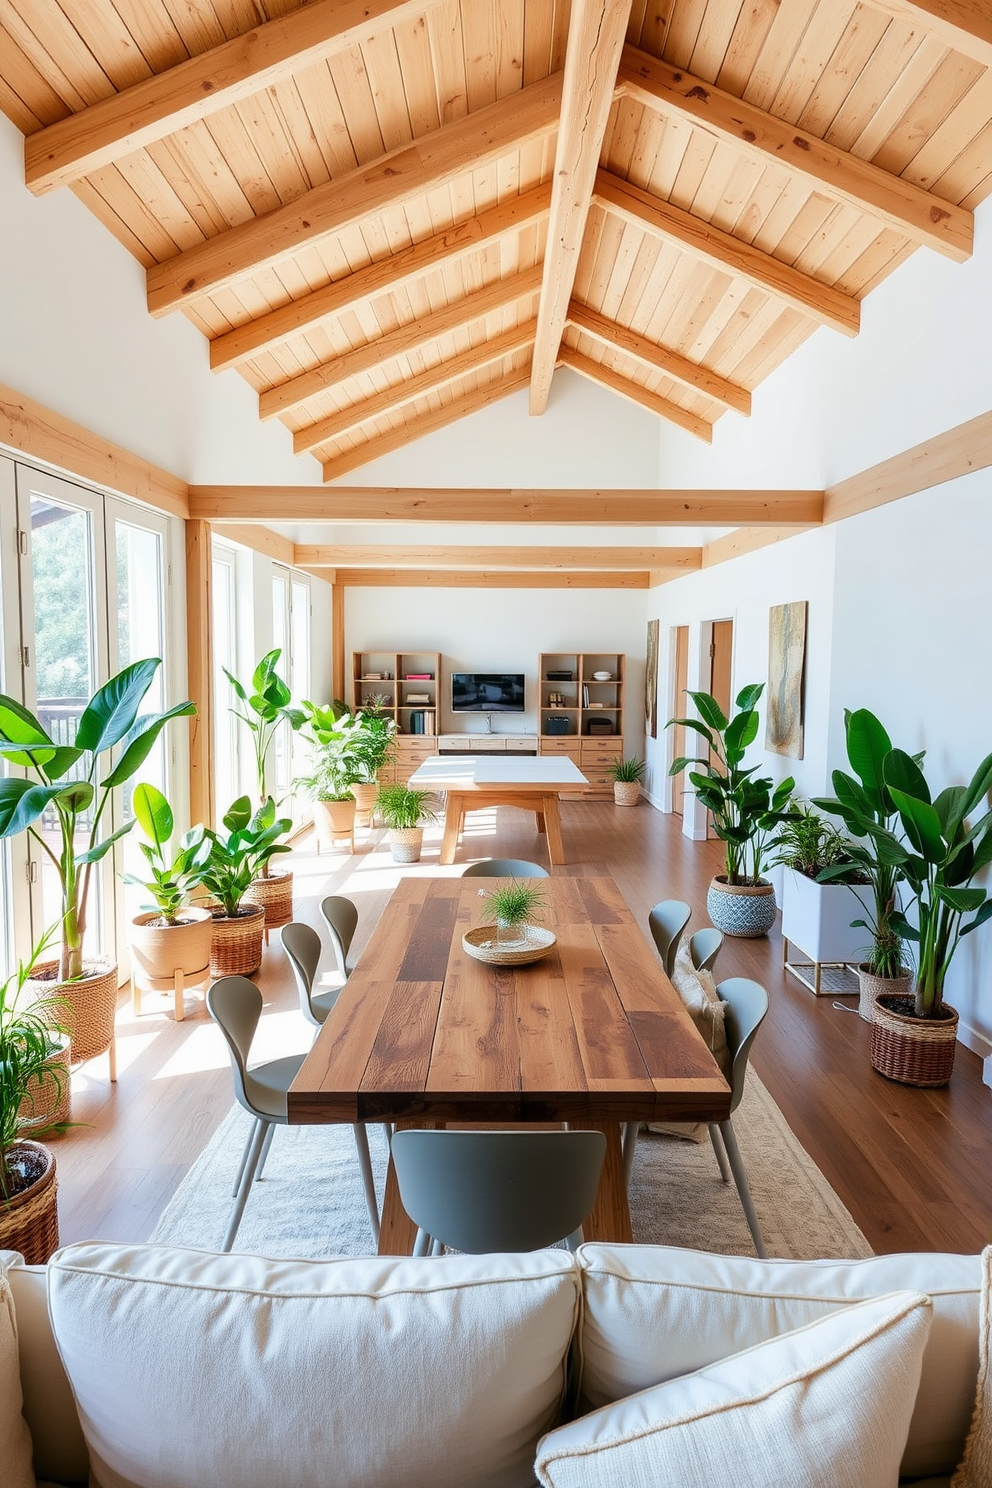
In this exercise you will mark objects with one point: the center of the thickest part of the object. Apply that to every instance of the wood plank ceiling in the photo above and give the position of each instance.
(388, 215)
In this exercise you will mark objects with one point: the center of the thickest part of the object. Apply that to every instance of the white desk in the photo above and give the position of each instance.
(472, 782)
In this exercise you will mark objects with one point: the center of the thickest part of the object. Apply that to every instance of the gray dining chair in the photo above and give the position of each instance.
(666, 922)
(341, 918)
(704, 947)
(303, 950)
(505, 868)
(235, 1005)
(479, 1191)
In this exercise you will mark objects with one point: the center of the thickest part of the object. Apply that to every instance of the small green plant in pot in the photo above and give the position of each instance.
(335, 764)
(263, 709)
(169, 935)
(513, 906)
(819, 918)
(237, 854)
(403, 811)
(626, 775)
(374, 749)
(745, 808)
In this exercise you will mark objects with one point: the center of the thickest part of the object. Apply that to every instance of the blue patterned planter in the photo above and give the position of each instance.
(744, 911)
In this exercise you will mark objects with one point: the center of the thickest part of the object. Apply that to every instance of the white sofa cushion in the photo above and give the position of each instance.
(826, 1406)
(15, 1439)
(49, 1409)
(654, 1312)
(191, 1368)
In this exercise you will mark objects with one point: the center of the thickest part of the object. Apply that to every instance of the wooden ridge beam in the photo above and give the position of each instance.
(596, 31)
(617, 383)
(908, 209)
(747, 540)
(427, 423)
(945, 457)
(321, 556)
(432, 161)
(288, 395)
(965, 25)
(392, 399)
(158, 106)
(632, 508)
(473, 578)
(691, 375)
(727, 254)
(383, 277)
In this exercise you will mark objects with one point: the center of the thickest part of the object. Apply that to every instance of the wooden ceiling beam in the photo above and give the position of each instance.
(263, 540)
(384, 277)
(430, 162)
(727, 254)
(596, 31)
(908, 209)
(657, 358)
(630, 508)
(392, 399)
(288, 395)
(617, 383)
(319, 556)
(965, 25)
(426, 423)
(405, 578)
(159, 106)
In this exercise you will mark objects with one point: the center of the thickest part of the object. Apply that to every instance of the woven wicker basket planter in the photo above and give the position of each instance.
(747, 910)
(365, 799)
(236, 944)
(87, 1008)
(49, 1100)
(914, 1051)
(626, 792)
(873, 986)
(406, 844)
(275, 895)
(30, 1221)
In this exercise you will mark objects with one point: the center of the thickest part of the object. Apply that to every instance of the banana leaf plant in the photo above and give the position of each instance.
(947, 852)
(263, 709)
(745, 807)
(110, 721)
(240, 853)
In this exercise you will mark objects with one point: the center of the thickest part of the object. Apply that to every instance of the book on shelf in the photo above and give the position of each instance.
(417, 697)
(585, 695)
(429, 716)
(419, 677)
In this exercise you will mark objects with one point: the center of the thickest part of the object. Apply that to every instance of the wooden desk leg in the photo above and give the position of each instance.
(539, 818)
(552, 820)
(453, 812)
(610, 1217)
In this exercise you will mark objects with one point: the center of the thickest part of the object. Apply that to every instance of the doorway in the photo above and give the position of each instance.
(721, 653)
(680, 681)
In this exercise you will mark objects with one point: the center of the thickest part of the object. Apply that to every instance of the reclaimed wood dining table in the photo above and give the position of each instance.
(593, 1035)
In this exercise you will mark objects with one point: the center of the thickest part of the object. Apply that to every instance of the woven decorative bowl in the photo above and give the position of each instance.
(482, 945)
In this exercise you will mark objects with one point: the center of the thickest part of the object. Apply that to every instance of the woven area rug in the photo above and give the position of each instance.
(310, 1201)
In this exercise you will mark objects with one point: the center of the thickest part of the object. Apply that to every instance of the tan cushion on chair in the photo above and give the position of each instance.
(235, 1371)
(826, 1406)
(653, 1312)
(15, 1439)
(697, 990)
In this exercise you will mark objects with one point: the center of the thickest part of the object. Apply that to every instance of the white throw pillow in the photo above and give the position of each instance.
(15, 1438)
(826, 1406)
(191, 1368)
(653, 1312)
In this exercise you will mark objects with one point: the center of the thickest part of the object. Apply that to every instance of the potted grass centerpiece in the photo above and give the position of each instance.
(512, 938)
(626, 775)
(403, 811)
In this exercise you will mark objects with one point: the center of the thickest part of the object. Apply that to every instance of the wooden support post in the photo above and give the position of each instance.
(200, 670)
(337, 641)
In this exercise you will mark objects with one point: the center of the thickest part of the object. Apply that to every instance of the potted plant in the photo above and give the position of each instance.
(235, 858)
(745, 810)
(864, 804)
(75, 783)
(333, 736)
(169, 937)
(374, 749)
(914, 1039)
(403, 810)
(819, 917)
(262, 710)
(514, 905)
(28, 1194)
(626, 775)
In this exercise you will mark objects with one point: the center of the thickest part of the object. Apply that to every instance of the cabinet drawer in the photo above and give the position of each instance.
(601, 752)
(560, 744)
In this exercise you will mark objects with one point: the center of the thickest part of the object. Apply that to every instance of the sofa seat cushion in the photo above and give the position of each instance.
(653, 1312)
(15, 1439)
(825, 1406)
(191, 1368)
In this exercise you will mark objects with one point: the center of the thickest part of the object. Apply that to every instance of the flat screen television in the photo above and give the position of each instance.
(487, 692)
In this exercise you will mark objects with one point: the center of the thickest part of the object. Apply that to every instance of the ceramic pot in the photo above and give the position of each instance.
(236, 942)
(365, 799)
(913, 1051)
(158, 951)
(747, 910)
(406, 844)
(334, 821)
(275, 895)
(87, 1008)
(873, 986)
(29, 1222)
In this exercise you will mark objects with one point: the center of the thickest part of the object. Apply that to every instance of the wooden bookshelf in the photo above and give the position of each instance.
(592, 710)
(406, 684)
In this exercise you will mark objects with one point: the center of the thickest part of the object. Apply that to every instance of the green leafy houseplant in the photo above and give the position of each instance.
(336, 761)
(28, 1038)
(745, 807)
(374, 743)
(237, 855)
(401, 808)
(262, 710)
(629, 770)
(109, 721)
(173, 875)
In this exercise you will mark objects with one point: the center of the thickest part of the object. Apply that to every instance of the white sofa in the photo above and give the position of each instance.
(152, 1367)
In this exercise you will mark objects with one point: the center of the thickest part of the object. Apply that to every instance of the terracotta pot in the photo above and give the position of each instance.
(87, 1007)
(365, 799)
(29, 1222)
(275, 895)
(873, 986)
(334, 820)
(236, 942)
(913, 1051)
(406, 844)
(49, 1099)
(747, 910)
(626, 792)
(159, 951)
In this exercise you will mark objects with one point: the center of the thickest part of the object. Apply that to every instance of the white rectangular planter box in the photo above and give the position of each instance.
(817, 919)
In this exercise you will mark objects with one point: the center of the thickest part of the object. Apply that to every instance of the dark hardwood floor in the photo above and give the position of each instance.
(911, 1165)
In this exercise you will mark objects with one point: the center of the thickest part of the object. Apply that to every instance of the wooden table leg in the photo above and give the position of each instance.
(539, 818)
(610, 1216)
(552, 820)
(397, 1231)
(454, 806)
